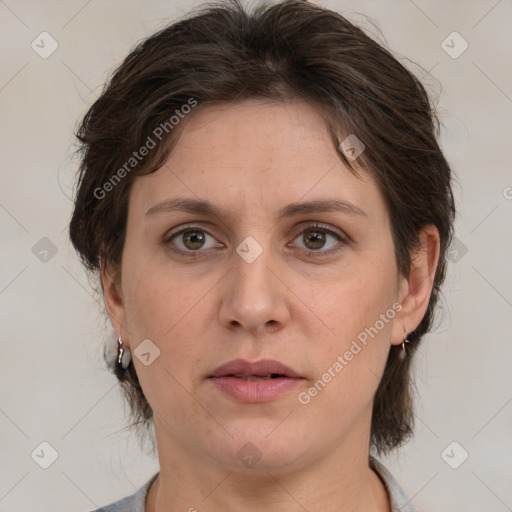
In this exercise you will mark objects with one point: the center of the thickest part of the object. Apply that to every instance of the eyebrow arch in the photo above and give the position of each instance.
(319, 206)
(206, 208)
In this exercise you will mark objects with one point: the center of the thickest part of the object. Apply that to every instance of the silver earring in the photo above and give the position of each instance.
(405, 340)
(124, 355)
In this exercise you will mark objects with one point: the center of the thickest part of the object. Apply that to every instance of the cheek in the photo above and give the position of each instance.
(155, 297)
(360, 313)
(351, 304)
(167, 309)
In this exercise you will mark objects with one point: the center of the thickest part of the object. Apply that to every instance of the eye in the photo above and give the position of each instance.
(317, 237)
(191, 239)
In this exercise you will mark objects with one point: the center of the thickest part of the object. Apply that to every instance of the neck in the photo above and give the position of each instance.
(339, 482)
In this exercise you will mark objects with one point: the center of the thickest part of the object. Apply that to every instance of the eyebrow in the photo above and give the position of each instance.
(206, 208)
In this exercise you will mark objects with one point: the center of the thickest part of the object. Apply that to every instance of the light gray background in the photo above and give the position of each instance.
(54, 387)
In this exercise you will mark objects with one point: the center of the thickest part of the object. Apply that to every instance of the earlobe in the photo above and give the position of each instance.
(415, 290)
(112, 294)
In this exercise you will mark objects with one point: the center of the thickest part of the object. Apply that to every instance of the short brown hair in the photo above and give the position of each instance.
(292, 50)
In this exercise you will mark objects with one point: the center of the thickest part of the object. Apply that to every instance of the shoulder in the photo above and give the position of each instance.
(400, 502)
(133, 503)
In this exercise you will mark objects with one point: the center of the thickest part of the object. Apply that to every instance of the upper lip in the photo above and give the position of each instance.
(262, 367)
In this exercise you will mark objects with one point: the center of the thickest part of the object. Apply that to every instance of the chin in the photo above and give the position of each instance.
(256, 447)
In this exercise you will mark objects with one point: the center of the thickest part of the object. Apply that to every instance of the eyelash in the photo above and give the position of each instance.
(342, 239)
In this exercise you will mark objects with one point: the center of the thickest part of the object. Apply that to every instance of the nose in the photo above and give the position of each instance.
(254, 298)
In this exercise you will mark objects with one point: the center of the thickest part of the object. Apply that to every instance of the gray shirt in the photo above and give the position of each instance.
(399, 500)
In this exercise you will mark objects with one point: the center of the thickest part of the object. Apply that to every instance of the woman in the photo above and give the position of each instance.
(264, 199)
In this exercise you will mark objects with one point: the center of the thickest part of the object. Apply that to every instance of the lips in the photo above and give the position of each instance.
(260, 381)
(264, 368)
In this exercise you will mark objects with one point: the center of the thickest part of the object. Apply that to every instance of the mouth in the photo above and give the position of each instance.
(258, 377)
(257, 382)
(264, 369)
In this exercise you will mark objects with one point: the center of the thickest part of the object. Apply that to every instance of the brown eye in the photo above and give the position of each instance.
(316, 238)
(192, 240)
(313, 239)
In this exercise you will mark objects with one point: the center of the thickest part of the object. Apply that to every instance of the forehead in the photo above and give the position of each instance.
(233, 132)
(255, 152)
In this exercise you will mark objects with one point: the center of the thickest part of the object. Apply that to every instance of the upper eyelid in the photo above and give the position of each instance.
(172, 233)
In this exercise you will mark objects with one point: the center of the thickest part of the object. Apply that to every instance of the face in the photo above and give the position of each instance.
(276, 252)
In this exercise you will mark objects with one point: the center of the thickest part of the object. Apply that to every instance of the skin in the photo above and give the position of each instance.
(250, 159)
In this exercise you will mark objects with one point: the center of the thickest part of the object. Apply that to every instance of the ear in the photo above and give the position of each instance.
(414, 290)
(113, 296)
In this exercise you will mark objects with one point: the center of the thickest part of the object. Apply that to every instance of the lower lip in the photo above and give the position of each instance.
(255, 391)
